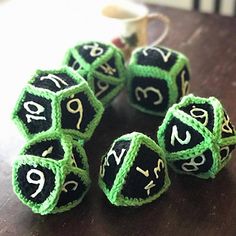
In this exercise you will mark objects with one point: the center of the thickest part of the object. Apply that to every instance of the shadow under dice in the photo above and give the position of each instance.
(51, 174)
(158, 78)
(57, 100)
(197, 136)
(102, 65)
(134, 171)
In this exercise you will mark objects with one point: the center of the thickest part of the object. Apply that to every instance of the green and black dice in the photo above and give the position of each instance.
(197, 136)
(51, 174)
(158, 77)
(134, 171)
(57, 100)
(102, 65)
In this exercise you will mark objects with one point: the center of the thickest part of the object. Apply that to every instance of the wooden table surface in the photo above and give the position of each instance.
(191, 206)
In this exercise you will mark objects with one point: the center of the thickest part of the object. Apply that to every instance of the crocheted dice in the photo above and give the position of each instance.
(197, 136)
(51, 174)
(134, 171)
(158, 78)
(102, 65)
(57, 100)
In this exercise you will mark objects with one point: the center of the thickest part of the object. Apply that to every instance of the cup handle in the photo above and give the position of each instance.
(165, 20)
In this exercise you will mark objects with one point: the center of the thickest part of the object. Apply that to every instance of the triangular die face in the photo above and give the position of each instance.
(204, 113)
(72, 190)
(77, 159)
(227, 129)
(102, 88)
(77, 112)
(146, 176)
(151, 93)
(35, 183)
(195, 165)
(112, 162)
(180, 137)
(158, 57)
(91, 51)
(35, 112)
(54, 81)
(182, 80)
(109, 68)
(225, 152)
(73, 63)
(46, 149)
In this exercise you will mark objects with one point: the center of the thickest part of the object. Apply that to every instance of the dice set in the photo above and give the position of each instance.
(59, 110)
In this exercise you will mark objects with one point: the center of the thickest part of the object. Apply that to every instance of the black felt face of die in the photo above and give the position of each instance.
(150, 93)
(47, 149)
(91, 51)
(102, 88)
(72, 190)
(196, 165)
(226, 151)
(204, 113)
(54, 82)
(183, 82)
(38, 116)
(83, 117)
(158, 57)
(143, 180)
(183, 133)
(73, 63)
(77, 159)
(111, 165)
(28, 189)
(227, 127)
(109, 68)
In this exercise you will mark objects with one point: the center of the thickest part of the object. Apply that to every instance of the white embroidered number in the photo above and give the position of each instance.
(103, 86)
(165, 57)
(145, 94)
(226, 127)
(55, 79)
(108, 69)
(95, 50)
(40, 182)
(175, 136)
(71, 182)
(227, 153)
(203, 115)
(192, 165)
(34, 114)
(79, 109)
(185, 84)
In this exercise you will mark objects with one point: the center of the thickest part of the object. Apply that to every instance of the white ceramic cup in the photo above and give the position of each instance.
(126, 24)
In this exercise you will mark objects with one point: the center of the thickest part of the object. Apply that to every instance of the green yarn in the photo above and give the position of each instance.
(208, 119)
(106, 86)
(60, 156)
(142, 73)
(126, 172)
(45, 115)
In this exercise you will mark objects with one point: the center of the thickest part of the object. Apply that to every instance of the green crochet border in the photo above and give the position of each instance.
(59, 167)
(212, 140)
(55, 99)
(84, 175)
(49, 204)
(134, 69)
(114, 195)
(89, 70)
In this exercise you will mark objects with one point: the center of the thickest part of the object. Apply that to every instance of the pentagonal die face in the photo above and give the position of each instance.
(33, 113)
(80, 112)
